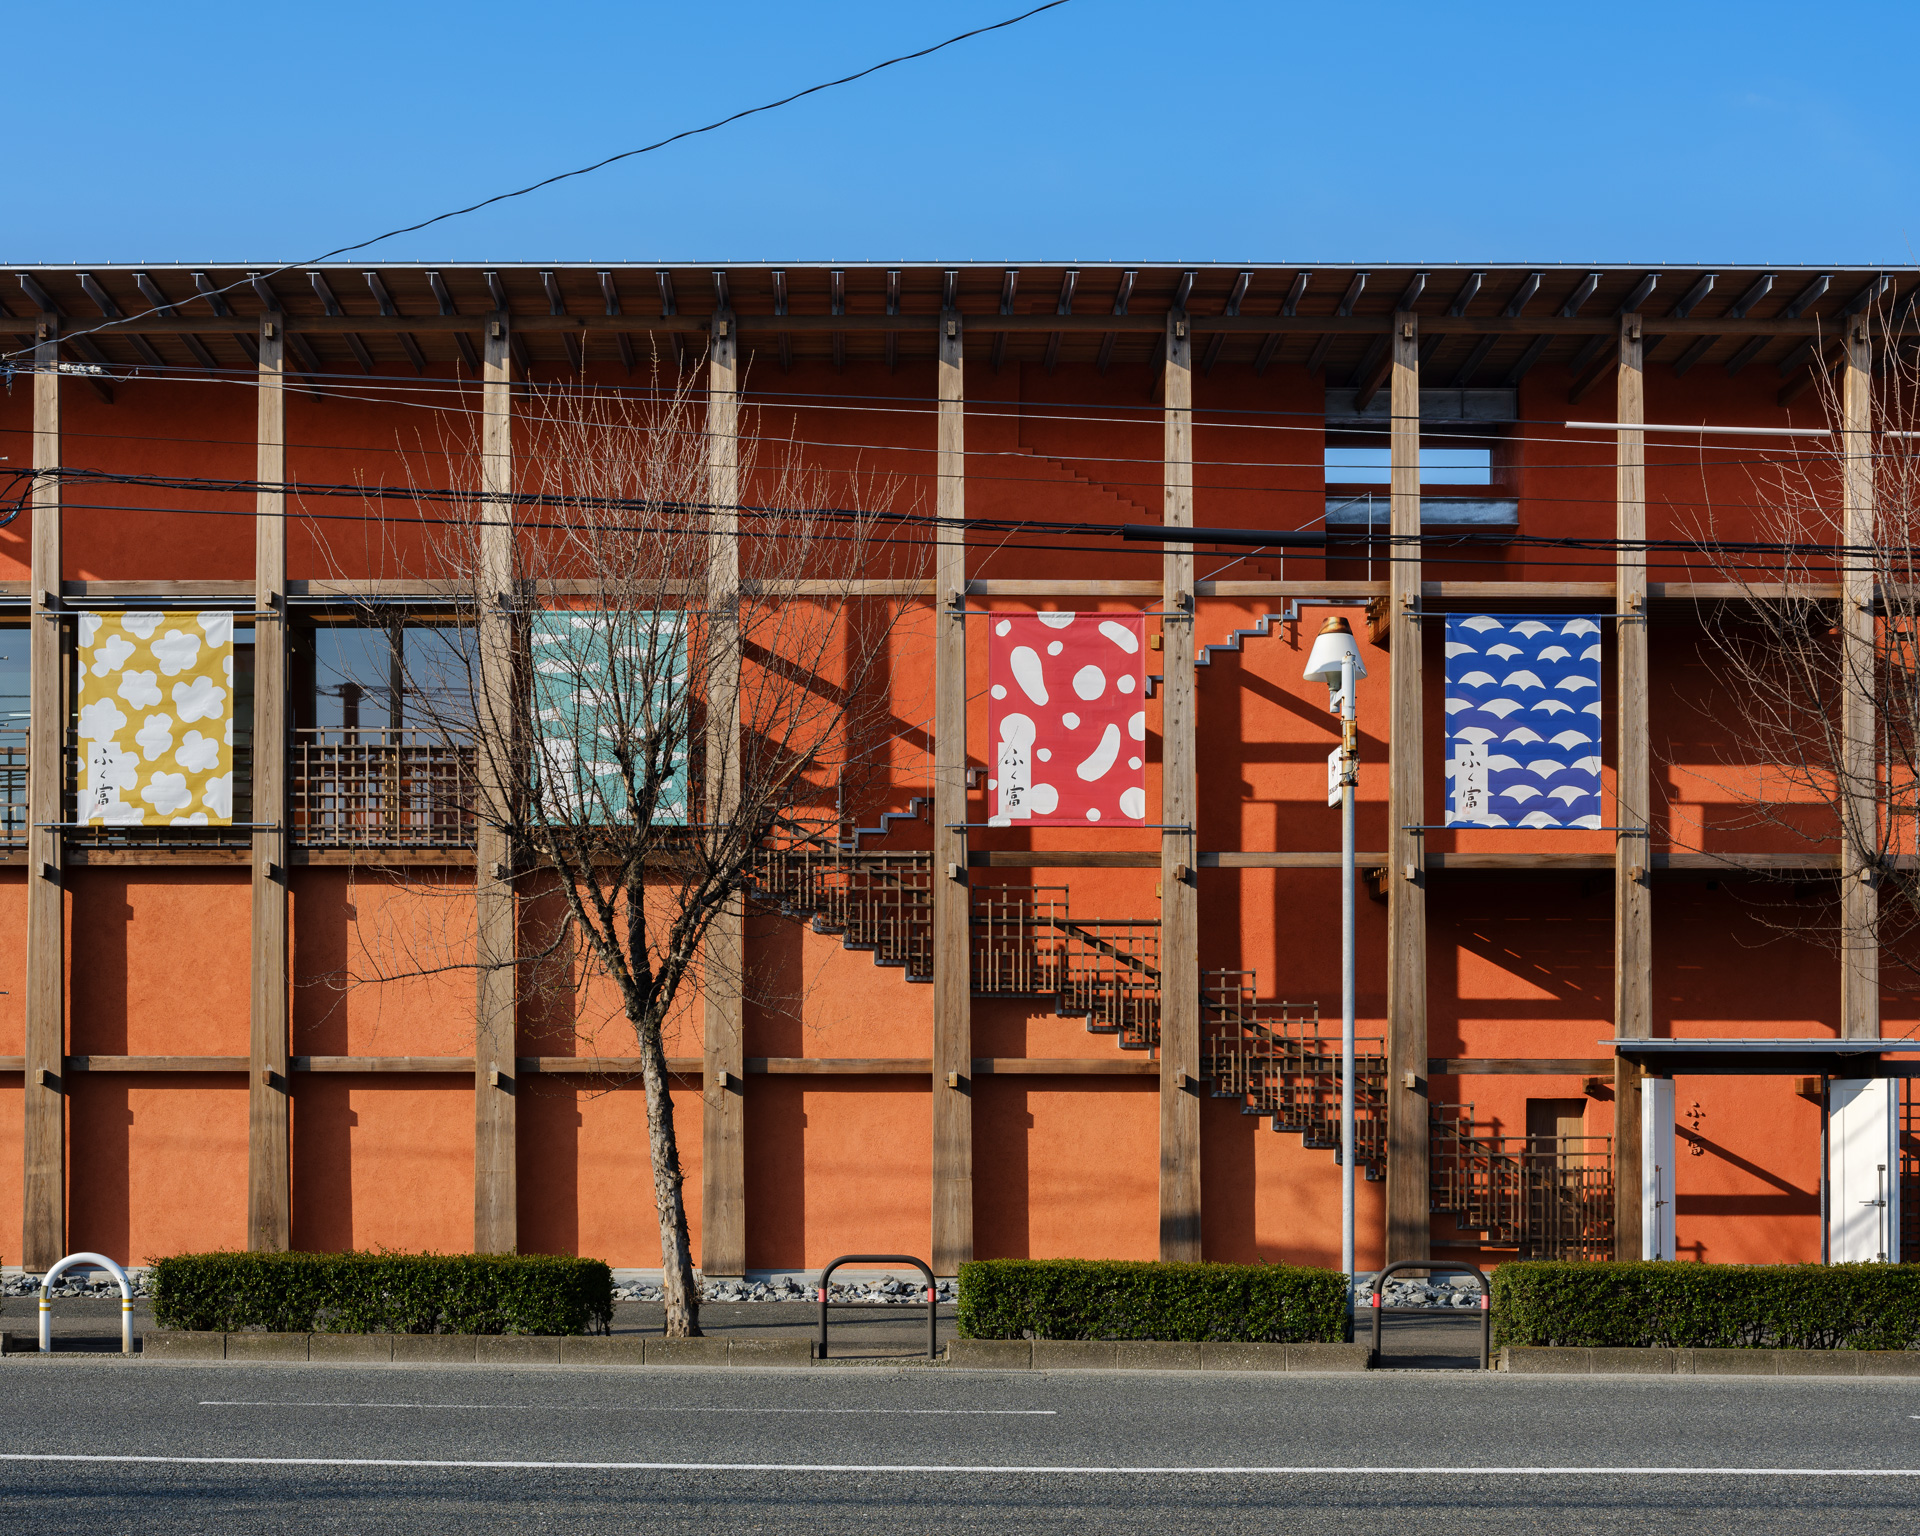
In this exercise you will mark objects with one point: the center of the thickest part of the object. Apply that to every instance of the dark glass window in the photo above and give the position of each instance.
(13, 730)
(357, 678)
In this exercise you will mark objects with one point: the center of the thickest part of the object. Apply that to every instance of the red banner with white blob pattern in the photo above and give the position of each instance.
(1067, 724)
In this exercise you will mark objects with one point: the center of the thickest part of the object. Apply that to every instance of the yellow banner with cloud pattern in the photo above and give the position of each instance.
(156, 719)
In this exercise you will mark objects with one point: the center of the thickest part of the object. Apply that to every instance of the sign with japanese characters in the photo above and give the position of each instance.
(156, 719)
(1523, 720)
(1066, 719)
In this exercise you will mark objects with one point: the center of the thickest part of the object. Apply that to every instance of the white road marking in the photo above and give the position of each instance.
(631, 1408)
(919, 1467)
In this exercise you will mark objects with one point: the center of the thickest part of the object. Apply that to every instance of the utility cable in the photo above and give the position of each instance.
(587, 170)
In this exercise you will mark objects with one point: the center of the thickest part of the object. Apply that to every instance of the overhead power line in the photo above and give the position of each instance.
(588, 170)
(1277, 539)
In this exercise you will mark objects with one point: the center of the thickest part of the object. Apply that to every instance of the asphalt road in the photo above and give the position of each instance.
(177, 1448)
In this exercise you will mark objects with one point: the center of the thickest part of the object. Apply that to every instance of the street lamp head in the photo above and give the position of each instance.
(1331, 647)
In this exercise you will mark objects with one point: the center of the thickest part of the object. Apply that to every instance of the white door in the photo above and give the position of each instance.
(1863, 1170)
(1656, 1168)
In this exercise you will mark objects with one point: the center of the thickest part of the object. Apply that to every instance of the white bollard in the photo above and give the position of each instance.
(91, 1260)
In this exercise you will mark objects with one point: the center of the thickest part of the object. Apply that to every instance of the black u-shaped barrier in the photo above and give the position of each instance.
(1431, 1266)
(933, 1305)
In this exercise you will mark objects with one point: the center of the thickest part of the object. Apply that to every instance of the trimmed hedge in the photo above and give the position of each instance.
(382, 1293)
(1110, 1299)
(1708, 1306)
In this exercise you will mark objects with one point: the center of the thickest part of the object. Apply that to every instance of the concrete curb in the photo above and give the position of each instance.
(1539, 1361)
(1143, 1355)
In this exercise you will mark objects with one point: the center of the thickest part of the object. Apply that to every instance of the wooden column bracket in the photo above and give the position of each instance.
(495, 1172)
(269, 1168)
(44, 1185)
(952, 975)
(1859, 895)
(1409, 1222)
(723, 1168)
(1633, 785)
(1180, 1216)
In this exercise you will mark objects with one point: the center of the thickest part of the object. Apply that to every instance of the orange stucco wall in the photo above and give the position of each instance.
(1520, 965)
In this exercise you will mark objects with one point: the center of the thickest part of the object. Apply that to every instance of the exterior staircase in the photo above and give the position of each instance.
(1274, 1057)
(1548, 1197)
(1280, 1061)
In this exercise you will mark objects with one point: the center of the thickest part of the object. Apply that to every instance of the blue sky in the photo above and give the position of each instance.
(1107, 129)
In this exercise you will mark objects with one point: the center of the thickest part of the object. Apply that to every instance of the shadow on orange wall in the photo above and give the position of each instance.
(157, 1165)
(381, 1164)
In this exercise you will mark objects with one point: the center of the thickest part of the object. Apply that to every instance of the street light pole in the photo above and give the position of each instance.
(1349, 772)
(1335, 661)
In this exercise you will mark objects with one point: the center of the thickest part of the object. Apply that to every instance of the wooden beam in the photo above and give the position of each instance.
(269, 1171)
(44, 1188)
(723, 1165)
(495, 1175)
(1595, 375)
(952, 1059)
(624, 1067)
(1376, 376)
(1409, 1225)
(627, 1068)
(458, 1066)
(1798, 383)
(985, 324)
(1293, 860)
(1140, 1065)
(1859, 779)
(1633, 787)
(1356, 592)
(1180, 1219)
(1023, 588)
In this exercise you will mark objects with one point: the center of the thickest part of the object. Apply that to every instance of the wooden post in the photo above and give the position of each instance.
(1409, 1200)
(1633, 783)
(1179, 809)
(269, 1173)
(723, 1167)
(1859, 894)
(952, 938)
(495, 1174)
(44, 1213)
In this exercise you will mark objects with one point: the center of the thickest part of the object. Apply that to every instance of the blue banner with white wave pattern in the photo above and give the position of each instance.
(1523, 720)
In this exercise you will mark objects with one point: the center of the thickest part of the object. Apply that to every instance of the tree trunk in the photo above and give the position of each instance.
(680, 1286)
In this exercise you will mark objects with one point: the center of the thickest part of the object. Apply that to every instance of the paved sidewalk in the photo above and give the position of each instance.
(872, 1332)
(858, 1332)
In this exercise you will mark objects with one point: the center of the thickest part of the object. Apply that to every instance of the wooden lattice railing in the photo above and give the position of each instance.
(1283, 1061)
(1549, 1197)
(878, 902)
(1026, 944)
(379, 787)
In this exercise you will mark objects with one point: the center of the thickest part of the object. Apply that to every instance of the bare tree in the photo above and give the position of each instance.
(692, 648)
(1817, 671)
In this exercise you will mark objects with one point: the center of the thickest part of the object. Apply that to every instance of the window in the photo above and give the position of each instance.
(351, 677)
(13, 731)
(1355, 465)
